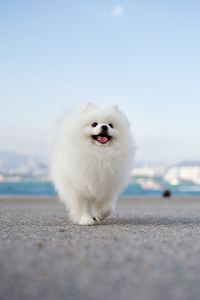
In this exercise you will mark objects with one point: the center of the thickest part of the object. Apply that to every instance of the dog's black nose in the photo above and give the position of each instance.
(104, 127)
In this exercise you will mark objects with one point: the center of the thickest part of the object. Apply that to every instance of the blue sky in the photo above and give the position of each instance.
(142, 55)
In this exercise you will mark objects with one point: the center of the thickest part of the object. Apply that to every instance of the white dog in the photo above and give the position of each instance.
(91, 161)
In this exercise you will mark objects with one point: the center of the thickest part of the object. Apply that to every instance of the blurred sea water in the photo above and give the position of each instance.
(37, 188)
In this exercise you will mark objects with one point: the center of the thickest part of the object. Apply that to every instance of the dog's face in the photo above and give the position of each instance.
(103, 126)
(102, 133)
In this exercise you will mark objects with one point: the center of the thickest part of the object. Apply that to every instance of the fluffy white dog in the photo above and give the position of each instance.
(91, 161)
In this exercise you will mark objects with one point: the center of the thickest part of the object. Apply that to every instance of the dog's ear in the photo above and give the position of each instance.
(89, 106)
(115, 107)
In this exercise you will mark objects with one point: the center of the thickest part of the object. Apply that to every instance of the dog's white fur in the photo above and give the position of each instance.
(88, 175)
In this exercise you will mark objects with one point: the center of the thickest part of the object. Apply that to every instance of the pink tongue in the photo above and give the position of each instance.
(102, 139)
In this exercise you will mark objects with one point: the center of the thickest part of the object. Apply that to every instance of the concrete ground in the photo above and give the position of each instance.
(148, 250)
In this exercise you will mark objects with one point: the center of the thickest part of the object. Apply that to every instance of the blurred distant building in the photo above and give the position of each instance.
(149, 176)
(25, 169)
(149, 171)
(188, 173)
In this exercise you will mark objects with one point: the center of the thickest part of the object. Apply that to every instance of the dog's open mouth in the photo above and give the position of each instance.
(102, 138)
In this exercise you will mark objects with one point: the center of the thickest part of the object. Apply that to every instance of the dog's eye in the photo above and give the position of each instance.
(94, 124)
(111, 125)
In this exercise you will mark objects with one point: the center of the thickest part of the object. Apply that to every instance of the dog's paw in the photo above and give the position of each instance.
(100, 216)
(86, 220)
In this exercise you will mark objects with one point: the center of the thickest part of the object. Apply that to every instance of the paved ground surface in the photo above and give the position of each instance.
(148, 250)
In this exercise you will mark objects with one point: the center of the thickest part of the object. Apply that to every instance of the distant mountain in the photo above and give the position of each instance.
(9, 159)
(139, 164)
(187, 163)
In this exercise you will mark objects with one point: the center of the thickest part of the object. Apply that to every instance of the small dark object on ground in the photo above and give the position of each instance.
(167, 193)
